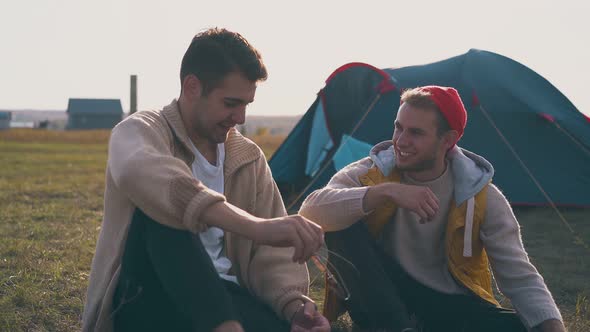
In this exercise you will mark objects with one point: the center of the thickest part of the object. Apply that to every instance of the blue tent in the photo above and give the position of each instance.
(538, 142)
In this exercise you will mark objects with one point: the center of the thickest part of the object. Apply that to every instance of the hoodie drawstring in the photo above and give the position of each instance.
(467, 247)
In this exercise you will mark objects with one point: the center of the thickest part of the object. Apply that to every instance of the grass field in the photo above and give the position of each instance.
(51, 187)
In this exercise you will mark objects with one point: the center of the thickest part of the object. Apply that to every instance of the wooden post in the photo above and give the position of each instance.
(133, 99)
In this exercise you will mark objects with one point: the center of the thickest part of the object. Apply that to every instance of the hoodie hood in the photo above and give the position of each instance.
(470, 171)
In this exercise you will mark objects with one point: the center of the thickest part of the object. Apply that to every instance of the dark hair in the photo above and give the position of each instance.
(421, 99)
(216, 52)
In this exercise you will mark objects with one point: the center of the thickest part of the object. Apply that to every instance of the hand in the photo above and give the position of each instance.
(308, 319)
(290, 231)
(418, 199)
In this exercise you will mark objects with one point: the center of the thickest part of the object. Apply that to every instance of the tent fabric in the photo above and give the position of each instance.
(505, 101)
(321, 142)
(350, 150)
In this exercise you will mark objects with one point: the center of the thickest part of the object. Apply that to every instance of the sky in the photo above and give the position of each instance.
(52, 50)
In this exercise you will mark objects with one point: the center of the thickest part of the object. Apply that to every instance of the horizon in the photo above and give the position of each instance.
(54, 51)
(126, 112)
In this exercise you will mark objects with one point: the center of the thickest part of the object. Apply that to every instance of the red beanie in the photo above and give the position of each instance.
(448, 101)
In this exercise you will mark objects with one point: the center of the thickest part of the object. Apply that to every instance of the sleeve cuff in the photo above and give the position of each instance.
(540, 316)
(356, 204)
(291, 307)
(205, 198)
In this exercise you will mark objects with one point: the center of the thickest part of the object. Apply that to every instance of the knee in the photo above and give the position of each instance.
(355, 231)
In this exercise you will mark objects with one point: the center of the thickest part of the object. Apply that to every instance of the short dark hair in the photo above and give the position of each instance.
(421, 99)
(216, 52)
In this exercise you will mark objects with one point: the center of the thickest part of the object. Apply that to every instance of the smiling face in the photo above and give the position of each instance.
(211, 116)
(419, 148)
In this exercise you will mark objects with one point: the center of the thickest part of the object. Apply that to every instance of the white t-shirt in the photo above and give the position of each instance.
(212, 239)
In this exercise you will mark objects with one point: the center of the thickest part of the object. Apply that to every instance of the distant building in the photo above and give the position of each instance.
(5, 118)
(94, 113)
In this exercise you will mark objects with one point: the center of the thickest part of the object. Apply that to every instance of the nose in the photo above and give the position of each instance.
(239, 115)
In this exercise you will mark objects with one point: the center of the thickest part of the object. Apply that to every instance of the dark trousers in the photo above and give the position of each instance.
(168, 283)
(383, 295)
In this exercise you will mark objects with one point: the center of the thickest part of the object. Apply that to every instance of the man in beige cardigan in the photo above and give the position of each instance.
(195, 236)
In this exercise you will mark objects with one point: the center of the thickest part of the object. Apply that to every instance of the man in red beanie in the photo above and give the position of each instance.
(425, 228)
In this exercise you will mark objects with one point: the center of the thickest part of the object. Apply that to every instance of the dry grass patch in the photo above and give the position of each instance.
(55, 136)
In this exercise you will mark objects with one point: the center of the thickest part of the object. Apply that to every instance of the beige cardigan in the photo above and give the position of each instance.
(149, 167)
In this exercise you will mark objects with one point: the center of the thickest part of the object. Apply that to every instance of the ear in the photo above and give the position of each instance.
(450, 138)
(191, 86)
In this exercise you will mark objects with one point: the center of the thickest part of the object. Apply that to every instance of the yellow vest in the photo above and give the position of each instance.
(468, 265)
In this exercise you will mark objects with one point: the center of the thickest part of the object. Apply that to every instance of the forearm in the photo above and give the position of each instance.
(339, 204)
(519, 280)
(334, 209)
(374, 198)
(273, 275)
(277, 280)
(230, 218)
(516, 276)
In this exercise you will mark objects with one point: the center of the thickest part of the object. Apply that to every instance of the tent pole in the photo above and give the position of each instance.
(302, 192)
(578, 143)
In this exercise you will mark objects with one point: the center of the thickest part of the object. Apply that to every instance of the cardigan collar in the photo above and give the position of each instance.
(238, 149)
